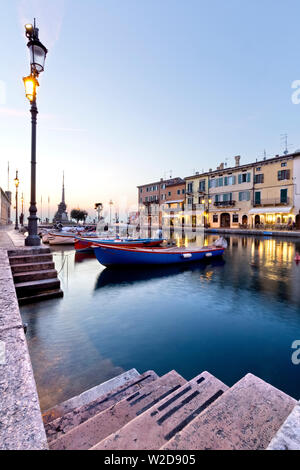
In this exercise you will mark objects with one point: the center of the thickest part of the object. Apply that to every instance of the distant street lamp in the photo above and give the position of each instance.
(16, 180)
(22, 213)
(206, 204)
(37, 62)
(110, 205)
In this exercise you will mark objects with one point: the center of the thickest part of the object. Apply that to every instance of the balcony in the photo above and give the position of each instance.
(272, 202)
(224, 203)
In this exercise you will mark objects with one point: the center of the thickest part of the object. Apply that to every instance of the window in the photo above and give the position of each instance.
(257, 197)
(183, 191)
(202, 185)
(190, 200)
(163, 186)
(283, 196)
(235, 218)
(244, 196)
(259, 178)
(213, 183)
(169, 193)
(283, 164)
(178, 191)
(163, 197)
(146, 199)
(215, 219)
(229, 180)
(217, 198)
(283, 175)
(258, 168)
(220, 181)
(244, 178)
(190, 187)
(141, 190)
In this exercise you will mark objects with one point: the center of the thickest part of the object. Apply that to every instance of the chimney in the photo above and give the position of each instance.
(221, 166)
(237, 160)
(210, 170)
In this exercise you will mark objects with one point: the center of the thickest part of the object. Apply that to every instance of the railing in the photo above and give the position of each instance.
(272, 202)
(224, 203)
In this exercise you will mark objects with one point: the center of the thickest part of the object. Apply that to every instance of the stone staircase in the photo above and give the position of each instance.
(143, 411)
(34, 274)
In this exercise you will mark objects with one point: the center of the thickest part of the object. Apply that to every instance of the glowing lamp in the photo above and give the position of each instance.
(30, 84)
(16, 180)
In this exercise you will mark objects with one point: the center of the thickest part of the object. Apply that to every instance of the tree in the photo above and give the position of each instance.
(78, 215)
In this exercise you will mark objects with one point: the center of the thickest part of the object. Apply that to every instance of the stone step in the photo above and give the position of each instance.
(21, 268)
(65, 423)
(34, 275)
(288, 436)
(95, 429)
(29, 251)
(24, 289)
(246, 417)
(45, 295)
(89, 395)
(22, 259)
(153, 428)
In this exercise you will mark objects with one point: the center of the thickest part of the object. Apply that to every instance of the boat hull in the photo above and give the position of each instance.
(113, 256)
(85, 245)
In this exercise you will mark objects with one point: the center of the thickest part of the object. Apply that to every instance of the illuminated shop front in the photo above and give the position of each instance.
(271, 216)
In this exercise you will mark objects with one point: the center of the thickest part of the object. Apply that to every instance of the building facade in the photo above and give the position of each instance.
(263, 194)
(5, 207)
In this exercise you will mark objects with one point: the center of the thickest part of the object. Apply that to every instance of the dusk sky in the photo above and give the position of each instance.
(135, 88)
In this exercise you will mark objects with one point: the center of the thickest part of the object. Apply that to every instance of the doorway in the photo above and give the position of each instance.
(225, 220)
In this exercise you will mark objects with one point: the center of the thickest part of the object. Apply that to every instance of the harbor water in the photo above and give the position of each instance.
(229, 316)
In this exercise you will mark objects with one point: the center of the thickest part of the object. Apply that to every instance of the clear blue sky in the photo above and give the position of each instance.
(134, 88)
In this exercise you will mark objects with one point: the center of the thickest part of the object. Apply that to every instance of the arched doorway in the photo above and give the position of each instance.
(244, 220)
(257, 220)
(298, 221)
(225, 220)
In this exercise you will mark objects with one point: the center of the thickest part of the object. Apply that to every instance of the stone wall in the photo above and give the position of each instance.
(21, 425)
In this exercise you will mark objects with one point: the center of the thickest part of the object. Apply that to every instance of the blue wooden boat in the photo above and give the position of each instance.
(109, 255)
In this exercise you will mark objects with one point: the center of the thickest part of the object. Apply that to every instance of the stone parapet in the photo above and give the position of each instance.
(21, 425)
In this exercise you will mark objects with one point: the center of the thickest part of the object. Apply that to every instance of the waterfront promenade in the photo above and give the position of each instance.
(21, 425)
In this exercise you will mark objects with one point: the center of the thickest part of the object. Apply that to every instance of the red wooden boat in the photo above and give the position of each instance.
(85, 244)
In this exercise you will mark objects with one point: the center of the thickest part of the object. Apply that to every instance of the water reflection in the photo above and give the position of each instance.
(230, 317)
(113, 276)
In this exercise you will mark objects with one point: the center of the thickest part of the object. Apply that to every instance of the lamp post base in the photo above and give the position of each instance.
(32, 240)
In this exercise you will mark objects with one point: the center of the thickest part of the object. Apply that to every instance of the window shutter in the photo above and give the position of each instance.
(240, 196)
(226, 181)
(279, 175)
(233, 180)
(288, 172)
(248, 177)
(240, 179)
(248, 194)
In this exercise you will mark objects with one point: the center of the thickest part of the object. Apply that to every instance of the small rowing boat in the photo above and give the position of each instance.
(110, 255)
(87, 244)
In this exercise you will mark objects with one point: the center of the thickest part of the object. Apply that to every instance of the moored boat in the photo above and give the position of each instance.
(86, 244)
(110, 255)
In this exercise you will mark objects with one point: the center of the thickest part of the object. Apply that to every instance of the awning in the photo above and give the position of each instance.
(271, 210)
(173, 202)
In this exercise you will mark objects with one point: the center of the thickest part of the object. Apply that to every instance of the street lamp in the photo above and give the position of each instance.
(16, 180)
(110, 204)
(38, 54)
(206, 204)
(22, 213)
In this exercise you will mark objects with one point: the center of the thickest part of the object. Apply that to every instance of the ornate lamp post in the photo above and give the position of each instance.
(37, 61)
(16, 180)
